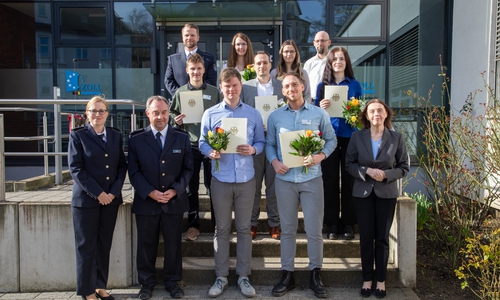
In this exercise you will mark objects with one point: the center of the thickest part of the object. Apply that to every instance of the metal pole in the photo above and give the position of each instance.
(45, 145)
(2, 160)
(57, 134)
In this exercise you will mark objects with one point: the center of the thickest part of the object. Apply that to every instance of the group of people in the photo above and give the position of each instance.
(353, 179)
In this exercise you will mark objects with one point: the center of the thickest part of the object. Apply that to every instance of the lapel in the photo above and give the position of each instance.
(151, 139)
(385, 138)
(367, 140)
(91, 132)
(169, 141)
(277, 88)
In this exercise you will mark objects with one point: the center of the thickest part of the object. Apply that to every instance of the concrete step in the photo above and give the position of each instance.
(205, 203)
(339, 272)
(265, 246)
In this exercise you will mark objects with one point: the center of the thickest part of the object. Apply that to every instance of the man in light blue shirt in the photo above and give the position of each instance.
(293, 187)
(233, 183)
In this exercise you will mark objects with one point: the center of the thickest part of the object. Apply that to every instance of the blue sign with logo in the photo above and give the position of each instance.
(73, 85)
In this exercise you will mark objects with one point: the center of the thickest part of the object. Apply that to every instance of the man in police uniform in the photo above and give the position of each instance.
(160, 167)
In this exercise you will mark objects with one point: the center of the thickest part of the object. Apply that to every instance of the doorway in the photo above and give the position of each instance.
(263, 38)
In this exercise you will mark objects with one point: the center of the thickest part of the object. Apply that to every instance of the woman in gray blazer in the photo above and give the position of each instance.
(376, 158)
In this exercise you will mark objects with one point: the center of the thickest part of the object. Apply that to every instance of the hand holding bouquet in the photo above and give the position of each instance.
(218, 140)
(307, 145)
(352, 110)
(249, 73)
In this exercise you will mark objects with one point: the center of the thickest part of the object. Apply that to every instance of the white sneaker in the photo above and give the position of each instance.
(246, 288)
(219, 286)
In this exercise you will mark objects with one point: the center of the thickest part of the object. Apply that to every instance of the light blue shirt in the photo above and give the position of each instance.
(233, 168)
(308, 117)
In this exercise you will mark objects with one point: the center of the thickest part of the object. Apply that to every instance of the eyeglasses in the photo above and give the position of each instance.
(289, 52)
(97, 112)
(241, 44)
(320, 41)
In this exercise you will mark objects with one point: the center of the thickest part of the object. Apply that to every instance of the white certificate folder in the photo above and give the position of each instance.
(191, 106)
(337, 94)
(238, 129)
(266, 105)
(290, 160)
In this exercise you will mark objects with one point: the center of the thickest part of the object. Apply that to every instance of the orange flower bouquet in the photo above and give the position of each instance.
(307, 145)
(249, 73)
(217, 140)
(352, 110)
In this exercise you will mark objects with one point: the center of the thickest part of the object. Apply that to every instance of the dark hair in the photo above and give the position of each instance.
(192, 26)
(155, 98)
(328, 73)
(229, 73)
(364, 114)
(293, 74)
(296, 66)
(262, 53)
(233, 56)
(195, 58)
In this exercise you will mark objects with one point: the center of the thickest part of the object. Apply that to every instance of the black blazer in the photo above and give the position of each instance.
(176, 75)
(148, 169)
(96, 167)
(391, 157)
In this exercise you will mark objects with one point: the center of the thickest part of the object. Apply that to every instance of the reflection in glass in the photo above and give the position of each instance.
(357, 20)
(133, 74)
(133, 23)
(304, 19)
(88, 23)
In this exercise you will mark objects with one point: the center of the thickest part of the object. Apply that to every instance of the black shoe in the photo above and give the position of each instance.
(286, 284)
(104, 298)
(333, 234)
(316, 285)
(380, 293)
(146, 292)
(348, 232)
(366, 292)
(175, 291)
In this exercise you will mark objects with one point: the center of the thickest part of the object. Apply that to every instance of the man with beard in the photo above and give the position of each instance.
(315, 66)
(176, 75)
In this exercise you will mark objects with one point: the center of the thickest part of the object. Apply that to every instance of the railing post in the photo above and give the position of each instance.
(2, 160)
(45, 145)
(57, 135)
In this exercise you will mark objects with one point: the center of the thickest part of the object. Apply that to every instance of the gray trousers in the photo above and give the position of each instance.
(224, 196)
(310, 195)
(264, 170)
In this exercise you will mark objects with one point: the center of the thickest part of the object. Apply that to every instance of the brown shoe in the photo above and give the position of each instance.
(275, 232)
(191, 234)
(253, 232)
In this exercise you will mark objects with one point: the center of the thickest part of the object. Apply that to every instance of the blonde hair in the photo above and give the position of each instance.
(94, 100)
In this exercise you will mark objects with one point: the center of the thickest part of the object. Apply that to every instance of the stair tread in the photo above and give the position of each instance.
(264, 238)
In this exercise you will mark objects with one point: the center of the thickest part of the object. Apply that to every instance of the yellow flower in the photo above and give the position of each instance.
(210, 134)
(354, 102)
(354, 119)
(309, 133)
(252, 69)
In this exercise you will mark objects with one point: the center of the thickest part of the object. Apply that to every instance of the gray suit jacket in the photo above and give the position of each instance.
(391, 157)
(249, 91)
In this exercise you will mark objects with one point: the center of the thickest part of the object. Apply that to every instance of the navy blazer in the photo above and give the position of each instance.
(391, 157)
(96, 167)
(149, 170)
(249, 91)
(176, 75)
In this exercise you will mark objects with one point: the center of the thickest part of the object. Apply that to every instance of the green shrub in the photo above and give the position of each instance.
(424, 208)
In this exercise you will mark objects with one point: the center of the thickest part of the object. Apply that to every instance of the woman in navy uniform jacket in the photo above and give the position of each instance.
(376, 158)
(98, 167)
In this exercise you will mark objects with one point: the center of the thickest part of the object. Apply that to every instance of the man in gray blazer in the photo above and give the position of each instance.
(263, 85)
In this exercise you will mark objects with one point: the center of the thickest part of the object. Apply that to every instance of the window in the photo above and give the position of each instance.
(82, 24)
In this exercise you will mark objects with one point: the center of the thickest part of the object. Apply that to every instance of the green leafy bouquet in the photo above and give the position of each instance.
(217, 140)
(249, 73)
(306, 145)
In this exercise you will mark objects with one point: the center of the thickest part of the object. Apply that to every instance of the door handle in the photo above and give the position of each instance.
(169, 45)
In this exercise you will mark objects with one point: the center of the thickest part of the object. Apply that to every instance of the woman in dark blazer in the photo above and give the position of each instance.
(376, 158)
(98, 167)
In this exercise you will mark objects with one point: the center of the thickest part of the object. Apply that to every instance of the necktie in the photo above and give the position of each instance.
(101, 136)
(158, 140)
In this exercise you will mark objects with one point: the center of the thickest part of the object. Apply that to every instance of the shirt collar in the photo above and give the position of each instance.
(202, 87)
(163, 132)
(226, 106)
(192, 52)
(306, 105)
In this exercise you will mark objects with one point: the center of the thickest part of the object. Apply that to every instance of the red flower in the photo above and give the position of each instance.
(348, 107)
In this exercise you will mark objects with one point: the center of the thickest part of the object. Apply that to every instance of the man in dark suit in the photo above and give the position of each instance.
(263, 85)
(160, 167)
(176, 75)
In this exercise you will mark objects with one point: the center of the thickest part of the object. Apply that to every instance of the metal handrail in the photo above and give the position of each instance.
(57, 137)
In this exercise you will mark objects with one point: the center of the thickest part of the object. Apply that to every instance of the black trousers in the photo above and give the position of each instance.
(375, 216)
(148, 233)
(94, 227)
(338, 201)
(194, 185)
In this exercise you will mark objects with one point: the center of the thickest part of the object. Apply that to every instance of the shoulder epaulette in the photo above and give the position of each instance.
(136, 132)
(180, 131)
(114, 128)
(78, 128)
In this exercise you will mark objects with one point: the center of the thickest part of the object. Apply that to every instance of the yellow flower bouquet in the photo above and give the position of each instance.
(352, 111)
(308, 144)
(249, 73)
(218, 140)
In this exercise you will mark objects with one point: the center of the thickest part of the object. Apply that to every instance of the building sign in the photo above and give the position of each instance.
(74, 86)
